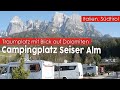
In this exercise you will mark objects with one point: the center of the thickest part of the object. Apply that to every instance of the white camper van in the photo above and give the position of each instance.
(39, 69)
(90, 69)
(72, 70)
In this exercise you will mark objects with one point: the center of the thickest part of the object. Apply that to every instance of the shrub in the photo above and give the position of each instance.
(93, 74)
(20, 73)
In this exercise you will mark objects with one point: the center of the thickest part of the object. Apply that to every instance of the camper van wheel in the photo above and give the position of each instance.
(64, 78)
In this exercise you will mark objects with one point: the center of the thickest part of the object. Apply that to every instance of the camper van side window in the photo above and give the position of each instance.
(89, 68)
(35, 68)
(12, 68)
(84, 68)
(63, 68)
(72, 67)
(57, 68)
(3, 70)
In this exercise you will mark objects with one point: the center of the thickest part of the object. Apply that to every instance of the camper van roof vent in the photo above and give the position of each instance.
(65, 61)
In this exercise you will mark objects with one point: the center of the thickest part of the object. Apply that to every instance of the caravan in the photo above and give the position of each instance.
(90, 69)
(72, 70)
(39, 69)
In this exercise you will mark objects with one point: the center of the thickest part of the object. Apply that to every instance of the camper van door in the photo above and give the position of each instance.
(48, 70)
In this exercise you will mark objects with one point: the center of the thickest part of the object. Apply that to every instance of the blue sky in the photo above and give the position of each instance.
(112, 28)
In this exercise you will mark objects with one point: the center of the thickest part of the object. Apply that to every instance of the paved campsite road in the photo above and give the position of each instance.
(105, 76)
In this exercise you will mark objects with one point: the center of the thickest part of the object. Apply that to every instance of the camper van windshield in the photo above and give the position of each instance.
(3, 69)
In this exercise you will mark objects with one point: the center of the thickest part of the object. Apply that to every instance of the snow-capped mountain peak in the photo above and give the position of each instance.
(16, 25)
(58, 19)
(16, 19)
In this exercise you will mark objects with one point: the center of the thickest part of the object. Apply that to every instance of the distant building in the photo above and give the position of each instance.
(109, 61)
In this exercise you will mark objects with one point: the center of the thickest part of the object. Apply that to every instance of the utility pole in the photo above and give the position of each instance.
(59, 70)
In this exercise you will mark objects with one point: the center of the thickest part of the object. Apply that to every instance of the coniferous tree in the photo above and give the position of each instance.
(20, 72)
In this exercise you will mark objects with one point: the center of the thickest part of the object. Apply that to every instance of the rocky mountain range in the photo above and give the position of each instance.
(60, 24)
(3, 33)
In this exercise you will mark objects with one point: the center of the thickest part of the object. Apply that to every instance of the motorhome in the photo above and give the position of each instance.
(71, 70)
(90, 69)
(39, 69)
